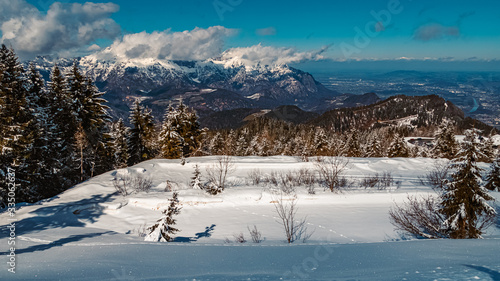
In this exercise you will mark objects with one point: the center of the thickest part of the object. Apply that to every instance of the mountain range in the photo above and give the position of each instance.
(209, 86)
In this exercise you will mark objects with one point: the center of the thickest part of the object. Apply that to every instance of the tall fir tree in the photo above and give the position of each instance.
(180, 135)
(63, 130)
(140, 140)
(17, 125)
(398, 147)
(445, 145)
(464, 200)
(119, 135)
(493, 178)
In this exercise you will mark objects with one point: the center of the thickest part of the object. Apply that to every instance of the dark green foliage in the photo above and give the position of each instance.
(493, 178)
(464, 202)
(141, 135)
(445, 145)
(180, 135)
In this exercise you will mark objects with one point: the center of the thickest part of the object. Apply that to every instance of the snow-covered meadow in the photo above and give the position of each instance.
(91, 232)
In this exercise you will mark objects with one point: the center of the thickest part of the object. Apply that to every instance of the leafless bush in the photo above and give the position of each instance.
(286, 183)
(218, 172)
(381, 182)
(227, 241)
(239, 238)
(141, 183)
(141, 230)
(255, 234)
(330, 170)
(122, 184)
(437, 177)
(419, 218)
(287, 212)
(255, 176)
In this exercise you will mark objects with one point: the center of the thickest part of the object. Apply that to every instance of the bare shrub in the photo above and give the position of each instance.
(217, 174)
(286, 183)
(227, 241)
(168, 186)
(287, 212)
(369, 182)
(141, 183)
(141, 230)
(239, 238)
(437, 177)
(330, 170)
(122, 184)
(381, 182)
(255, 176)
(419, 218)
(255, 234)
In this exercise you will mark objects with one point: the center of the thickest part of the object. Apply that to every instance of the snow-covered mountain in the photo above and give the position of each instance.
(211, 85)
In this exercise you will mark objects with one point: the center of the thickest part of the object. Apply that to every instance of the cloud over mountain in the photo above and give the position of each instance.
(266, 55)
(64, 27)
(196, 44)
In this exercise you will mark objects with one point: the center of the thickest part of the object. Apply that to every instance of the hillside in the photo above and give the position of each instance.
(86, 231)
(414, 111)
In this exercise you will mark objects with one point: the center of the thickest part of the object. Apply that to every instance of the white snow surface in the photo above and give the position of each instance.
(89, 232)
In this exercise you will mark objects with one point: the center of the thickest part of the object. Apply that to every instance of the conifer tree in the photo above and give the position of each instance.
(196, 179)
(119, 135)
(374, 148)
(164, 228)
(140, 140)
(62, 131)
(493, 178)
(398, 147)
(18, 128)
(464, 201)
(180, 135)
(445, 145)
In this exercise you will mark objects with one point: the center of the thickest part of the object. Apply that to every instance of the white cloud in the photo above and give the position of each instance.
(266, 55)
(197, 44)
(64, 27)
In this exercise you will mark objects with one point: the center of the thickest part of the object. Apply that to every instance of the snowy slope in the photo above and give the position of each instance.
(90, 232)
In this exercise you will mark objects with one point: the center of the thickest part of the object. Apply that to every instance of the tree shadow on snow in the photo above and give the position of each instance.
(207, 233)
(60, 242)
(63, 215)
(494, 275)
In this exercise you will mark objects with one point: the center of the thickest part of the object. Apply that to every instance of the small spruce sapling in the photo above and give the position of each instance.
(163, 229)
(196, 179)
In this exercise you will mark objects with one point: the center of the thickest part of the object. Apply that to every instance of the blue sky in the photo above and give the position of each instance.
(444, 30)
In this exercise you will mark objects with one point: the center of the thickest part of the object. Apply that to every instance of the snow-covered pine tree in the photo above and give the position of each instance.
(353, 146)
(92, 114)
(180, 134)
(464, 201)
(196, 179)
(374, 148)
(62, 131)
(398, 147)
(170, 140)
(445, 145)
(18, 128)
(164, 228)
(488, 149)
(119, 133)
(140, 140)
(493, 178)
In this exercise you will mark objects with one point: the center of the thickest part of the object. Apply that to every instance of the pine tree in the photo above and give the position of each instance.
(140, 140)
(91, 114)
(180, 135)
(119, 133)
(18, 128)
(62, 131)
(445, 145)
(374, 148)
(493, 178)
(353, 146)
(196, 179)
(465, 200)
(163, 229)
(398, 147)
